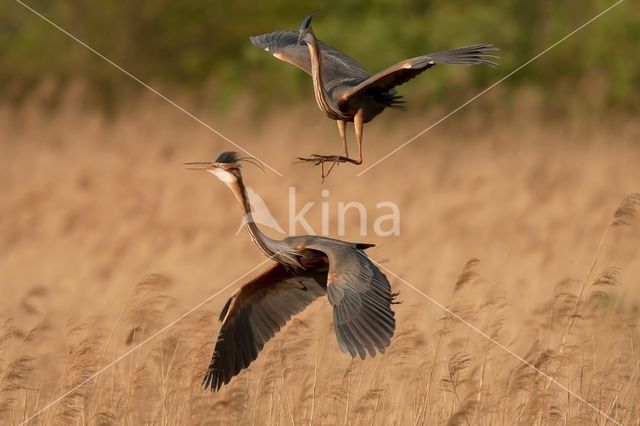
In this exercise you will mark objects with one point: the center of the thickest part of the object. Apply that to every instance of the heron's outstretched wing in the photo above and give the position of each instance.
(253, 315)
(406, 70)
(335, 64)
(361, 298)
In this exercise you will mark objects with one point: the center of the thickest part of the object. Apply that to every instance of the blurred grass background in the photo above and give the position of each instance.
(202, 47)
(526, 179)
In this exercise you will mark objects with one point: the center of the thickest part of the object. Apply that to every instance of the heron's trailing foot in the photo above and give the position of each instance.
(318, 159)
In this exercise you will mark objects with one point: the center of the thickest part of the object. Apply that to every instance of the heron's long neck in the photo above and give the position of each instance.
(322, 97)
(267, 245)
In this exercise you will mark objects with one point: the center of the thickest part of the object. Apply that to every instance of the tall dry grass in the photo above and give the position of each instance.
(523, 229)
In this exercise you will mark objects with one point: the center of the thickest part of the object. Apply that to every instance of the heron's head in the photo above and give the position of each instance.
(226, 167)
(306, 32)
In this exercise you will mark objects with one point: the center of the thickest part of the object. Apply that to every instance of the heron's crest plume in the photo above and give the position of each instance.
(306, 22)
(232, 157)
(227, 157)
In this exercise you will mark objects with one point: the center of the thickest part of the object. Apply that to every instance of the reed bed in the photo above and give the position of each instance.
(528, 233)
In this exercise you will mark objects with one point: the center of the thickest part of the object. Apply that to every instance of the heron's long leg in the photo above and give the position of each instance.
(342, 129)
(358, 124)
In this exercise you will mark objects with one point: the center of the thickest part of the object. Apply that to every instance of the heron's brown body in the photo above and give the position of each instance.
(344, 90)
(305, 268)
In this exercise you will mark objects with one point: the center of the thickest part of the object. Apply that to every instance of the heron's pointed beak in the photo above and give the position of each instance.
(200, 165)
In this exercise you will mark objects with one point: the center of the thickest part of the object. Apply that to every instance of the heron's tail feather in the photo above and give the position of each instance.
(390, 100)
(398, 103)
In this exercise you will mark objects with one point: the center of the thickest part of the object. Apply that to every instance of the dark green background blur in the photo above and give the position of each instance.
(202, 48)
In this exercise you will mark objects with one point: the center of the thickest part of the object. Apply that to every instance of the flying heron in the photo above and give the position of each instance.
(344, 90)
(305, 268)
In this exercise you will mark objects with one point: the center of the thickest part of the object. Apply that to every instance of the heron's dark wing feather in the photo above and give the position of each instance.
(253, 315)
(406, 70)
(361, 298)
(335, 64)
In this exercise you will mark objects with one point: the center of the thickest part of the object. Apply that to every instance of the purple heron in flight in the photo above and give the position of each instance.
(344, 90)
(305, 268)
